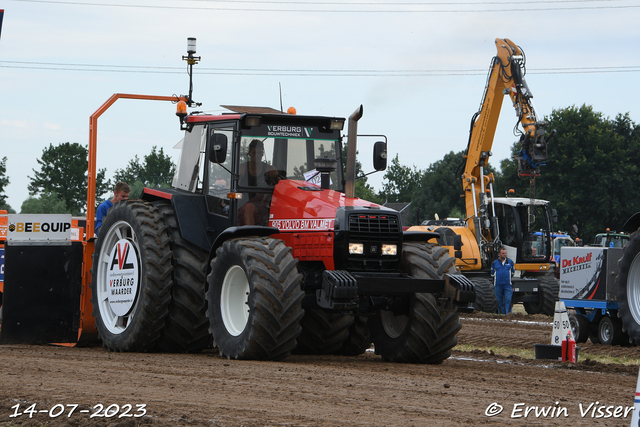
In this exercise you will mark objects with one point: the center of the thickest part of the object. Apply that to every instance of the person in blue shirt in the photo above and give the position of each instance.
(120, 192)
(502, 269)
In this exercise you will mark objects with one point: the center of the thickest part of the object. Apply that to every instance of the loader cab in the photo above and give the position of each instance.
(524, 229)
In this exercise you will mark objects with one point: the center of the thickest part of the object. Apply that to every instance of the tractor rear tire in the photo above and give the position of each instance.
(359, 339)
(323, 332)
(187, 328)
(629, 289)
(580, 327)
(485, 294)
(134, 241)
(254, 299)
(424, 333)
(548, 290)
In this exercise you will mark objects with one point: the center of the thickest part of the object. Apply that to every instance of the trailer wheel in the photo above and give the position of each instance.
(131, 277)
(610, 331)
(579, 327)
(628, 282)
(187, 327)
(254, 299)
(485, 294)
(323, 332)
(548, 290)
(422, 332)
(359, 339)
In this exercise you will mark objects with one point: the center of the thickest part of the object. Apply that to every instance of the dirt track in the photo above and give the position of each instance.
(205, 390)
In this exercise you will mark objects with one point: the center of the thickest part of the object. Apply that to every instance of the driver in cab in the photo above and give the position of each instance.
(256, 173)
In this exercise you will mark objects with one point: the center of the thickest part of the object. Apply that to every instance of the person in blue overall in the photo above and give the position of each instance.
(502, 270)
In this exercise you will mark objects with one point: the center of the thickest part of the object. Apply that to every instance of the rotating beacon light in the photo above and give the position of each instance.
(181, 110)
(191, 61)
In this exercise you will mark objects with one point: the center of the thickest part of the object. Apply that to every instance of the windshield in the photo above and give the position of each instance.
(611, 240)
(534, 243)
(264, 161)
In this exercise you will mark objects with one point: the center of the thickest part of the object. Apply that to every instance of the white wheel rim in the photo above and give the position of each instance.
(234, 300)
(393, 325)
(633, 289)
(115, 323)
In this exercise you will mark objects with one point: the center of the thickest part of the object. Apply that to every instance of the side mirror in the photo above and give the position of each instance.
(554, 215)
(380, 156)
(217, 144)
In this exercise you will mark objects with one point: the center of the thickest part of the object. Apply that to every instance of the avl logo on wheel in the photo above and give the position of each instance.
(123, 277)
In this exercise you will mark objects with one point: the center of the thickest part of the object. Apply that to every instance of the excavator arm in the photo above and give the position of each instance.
(506, 77)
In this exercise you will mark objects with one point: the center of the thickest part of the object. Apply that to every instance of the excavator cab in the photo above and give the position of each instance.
(523, 229)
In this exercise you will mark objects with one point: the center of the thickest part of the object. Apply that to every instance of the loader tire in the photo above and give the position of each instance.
(134, 242)
(254, 299)
(423, 332)
(323, 332)
(359, 339)
(628, 282)
(187, 326)
(485, 294)
(548, 290)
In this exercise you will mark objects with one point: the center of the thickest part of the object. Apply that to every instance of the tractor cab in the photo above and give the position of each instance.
(611, 239)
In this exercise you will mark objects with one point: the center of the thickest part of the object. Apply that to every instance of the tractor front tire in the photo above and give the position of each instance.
(131, 277)
(254, 299)
(423, 332)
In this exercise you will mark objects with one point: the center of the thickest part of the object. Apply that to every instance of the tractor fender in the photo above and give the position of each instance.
(241, 231)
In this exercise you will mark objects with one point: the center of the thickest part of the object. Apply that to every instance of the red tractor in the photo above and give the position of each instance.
(261, 244)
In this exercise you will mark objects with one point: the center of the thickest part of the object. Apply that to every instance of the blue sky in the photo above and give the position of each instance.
(418, 68)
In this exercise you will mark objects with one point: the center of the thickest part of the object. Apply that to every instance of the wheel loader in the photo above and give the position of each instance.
(260, 248)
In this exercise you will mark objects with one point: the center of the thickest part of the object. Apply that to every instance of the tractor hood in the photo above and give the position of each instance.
(302, 206)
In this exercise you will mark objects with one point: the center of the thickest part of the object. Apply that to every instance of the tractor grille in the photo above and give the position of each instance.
(374, 228)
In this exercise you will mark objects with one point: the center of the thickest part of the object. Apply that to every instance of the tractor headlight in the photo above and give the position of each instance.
(356, 248)
(389, 249)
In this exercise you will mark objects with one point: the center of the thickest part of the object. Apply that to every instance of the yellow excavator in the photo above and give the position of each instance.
(521, 225)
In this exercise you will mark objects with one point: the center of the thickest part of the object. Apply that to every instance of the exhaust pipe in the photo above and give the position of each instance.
(352, 136)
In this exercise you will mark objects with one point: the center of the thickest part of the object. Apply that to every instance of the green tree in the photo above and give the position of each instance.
(440, 188)
(4, 181)
(591, 176)
(156, 170)
(63, 172)
(401, 182)
(47, 203)
(363, 190)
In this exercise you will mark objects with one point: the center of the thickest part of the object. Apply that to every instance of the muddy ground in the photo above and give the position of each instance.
(205, 390)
